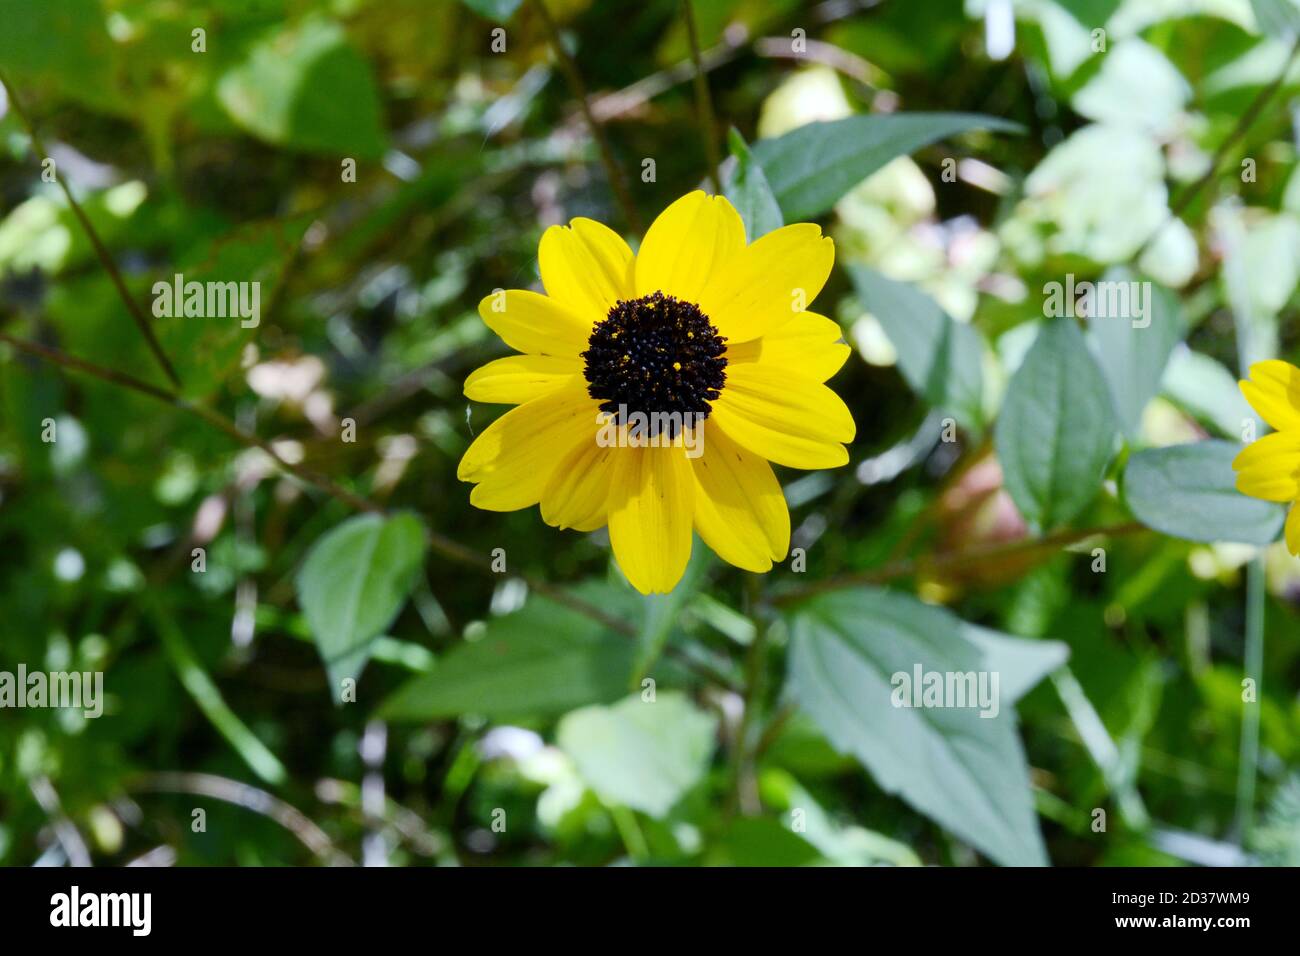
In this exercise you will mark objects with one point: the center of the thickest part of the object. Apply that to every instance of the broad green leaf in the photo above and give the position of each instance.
(59, 45)
(543, 659)
(1189, 491)
(965, 771)
(749, 192)
(640, 754)
(1205, 389)
(498, 10)
(353, 584)
(1021, 662)
(811, 167)
(940, 357)
(1056, 431)
(1132, 350)
(206, 348)
(307, 88)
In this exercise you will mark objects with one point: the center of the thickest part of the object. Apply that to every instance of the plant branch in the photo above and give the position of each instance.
(954, 560)
(447, 547)
(703, 102)
(579, 89)
(1242, 126)
(101, 251)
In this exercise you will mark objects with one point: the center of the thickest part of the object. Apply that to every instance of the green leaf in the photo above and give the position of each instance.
(1133, 357)
(1056, 431)
(498, 10)
(940, 357)
(811, 167)
(62, 45)
(964, 770)
(640, 754)
(306, 87)
(543, 659)
(1188, 491)
(1205, 389)
(353, 584)
(1021, 662)
(749, 192)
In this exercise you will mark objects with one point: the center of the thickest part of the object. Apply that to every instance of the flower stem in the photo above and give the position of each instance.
(755, 671)
(1254, 666)
(703, 101)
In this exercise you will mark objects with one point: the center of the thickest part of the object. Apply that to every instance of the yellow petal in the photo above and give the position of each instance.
(520, 378)
(1278, 451)
(1293, 529)
(1274, 391)
(762, 287)
(578, 491)
(587, 266)
(514, 458)
(740, 511)
(809, 344)
(535, 324)
(1270, 467)
(650, 516)
(784, 418)
(686, 244)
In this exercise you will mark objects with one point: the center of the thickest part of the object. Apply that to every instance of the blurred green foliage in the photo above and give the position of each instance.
(379, 167)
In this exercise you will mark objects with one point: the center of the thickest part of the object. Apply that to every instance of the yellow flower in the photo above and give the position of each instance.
(654, 389)
(1269, 468)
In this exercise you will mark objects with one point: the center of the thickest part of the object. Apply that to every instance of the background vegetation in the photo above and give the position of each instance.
(1011, 504)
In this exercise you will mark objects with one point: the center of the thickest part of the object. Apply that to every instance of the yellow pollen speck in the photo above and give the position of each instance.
(677, 366)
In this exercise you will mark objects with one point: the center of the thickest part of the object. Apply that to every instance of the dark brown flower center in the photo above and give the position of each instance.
(659, 356)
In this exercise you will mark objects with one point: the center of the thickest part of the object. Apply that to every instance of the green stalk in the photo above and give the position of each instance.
(1248, 760)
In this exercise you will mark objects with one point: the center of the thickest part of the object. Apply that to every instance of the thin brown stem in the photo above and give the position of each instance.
(954, 561)
(447, 547)
(703, 101)
(101, 251)
(579, 89)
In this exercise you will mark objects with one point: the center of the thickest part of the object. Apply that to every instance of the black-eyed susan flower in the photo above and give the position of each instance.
(1269, 467)
(654, 390)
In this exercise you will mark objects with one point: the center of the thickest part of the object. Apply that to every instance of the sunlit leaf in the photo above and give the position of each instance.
(639, 753)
